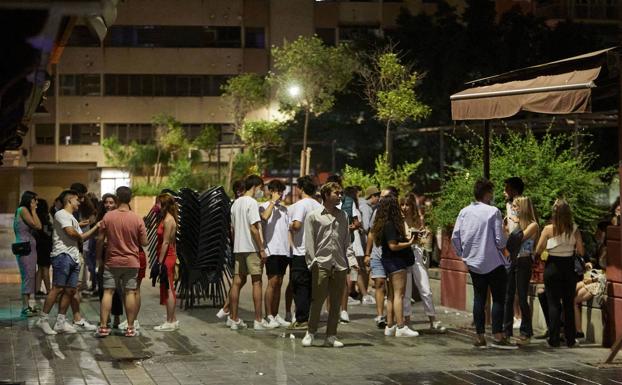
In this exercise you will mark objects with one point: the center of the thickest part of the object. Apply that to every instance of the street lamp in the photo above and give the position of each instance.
(294, 90)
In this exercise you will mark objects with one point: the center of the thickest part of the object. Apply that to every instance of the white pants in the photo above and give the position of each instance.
(419, 274)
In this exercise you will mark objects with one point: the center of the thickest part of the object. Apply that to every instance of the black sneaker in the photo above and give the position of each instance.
(504, 344)
(580, 335)
(480, 342)
(381, 321)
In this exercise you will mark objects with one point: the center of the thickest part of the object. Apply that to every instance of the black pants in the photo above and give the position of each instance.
(518, 281)
(496, 280)
(560, 282)
(301, 287)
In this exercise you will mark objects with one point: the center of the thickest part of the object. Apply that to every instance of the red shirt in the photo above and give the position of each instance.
(124, 231)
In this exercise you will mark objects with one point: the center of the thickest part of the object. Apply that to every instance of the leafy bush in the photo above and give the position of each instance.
(384, 175)
(551, 167)
(145, 189)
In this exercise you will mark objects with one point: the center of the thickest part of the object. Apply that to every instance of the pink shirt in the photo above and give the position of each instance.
(123, 230)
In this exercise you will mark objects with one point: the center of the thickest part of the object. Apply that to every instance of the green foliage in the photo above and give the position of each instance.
(145, 189)
(207, 139)
(243, 94)
(135, 158)
(319, 71)
(244, 165)
(261, 135)
(551, 167)
(183, 174)
(384, 175)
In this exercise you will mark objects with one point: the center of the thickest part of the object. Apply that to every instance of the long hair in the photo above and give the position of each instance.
(526, 213)
(102, 209)
(562, 218)
(168, 205)
(388, 212)
(42, 212)
(415, 212)
(27, 197)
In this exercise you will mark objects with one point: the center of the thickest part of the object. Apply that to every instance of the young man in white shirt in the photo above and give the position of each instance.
(248, 250)
(65, 263)
(275, 232)
(300, 275)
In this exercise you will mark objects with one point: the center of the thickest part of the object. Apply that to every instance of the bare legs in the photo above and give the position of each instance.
(395, 306)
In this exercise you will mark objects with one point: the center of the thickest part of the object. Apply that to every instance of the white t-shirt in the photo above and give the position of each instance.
(298, 212)
(276, 229)
(357, 243)
(244, 213)
(63, 243)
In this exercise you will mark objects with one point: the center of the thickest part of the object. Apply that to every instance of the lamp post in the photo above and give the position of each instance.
(295, 91)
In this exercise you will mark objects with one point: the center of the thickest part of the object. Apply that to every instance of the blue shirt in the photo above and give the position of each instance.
(479, 239)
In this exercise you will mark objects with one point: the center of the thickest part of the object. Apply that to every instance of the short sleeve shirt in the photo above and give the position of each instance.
(276, 230)
(389, 234)
(244, 214)
(298, 212)
(124, 231)
(62, 242)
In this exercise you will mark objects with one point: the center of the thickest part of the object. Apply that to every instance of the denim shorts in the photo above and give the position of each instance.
(377, 270)
(65, 271)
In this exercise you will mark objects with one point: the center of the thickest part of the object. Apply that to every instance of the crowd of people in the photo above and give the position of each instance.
(343, 246)
(93, 247)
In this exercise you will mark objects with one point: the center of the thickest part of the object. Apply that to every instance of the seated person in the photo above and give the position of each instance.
(592, 286)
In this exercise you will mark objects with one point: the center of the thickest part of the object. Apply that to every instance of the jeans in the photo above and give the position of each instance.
(518, 281)
(301, 287)
(496, 280)
(326, 282)
(560, 282)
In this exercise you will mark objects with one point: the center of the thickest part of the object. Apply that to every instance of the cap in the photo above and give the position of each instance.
(371, 191)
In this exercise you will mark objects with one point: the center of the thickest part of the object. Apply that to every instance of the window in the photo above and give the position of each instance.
(81, 36)
(80, 85)
(164, 85)
(173, 36)
(80, 133)
(327, 35)
(141, 133)
(254, 38)
(44, 133)
(358, 32)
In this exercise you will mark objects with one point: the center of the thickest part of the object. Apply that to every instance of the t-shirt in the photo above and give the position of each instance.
(298, 212)
(62, 242)
(276, 229)
(124, 231)
(389, 234)
(244, 213)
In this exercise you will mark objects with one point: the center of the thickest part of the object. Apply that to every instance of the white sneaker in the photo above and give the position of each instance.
(44, 325)
(260, 325)
(64, 327)
(281, 321)
(272, 322)
(344, 317)
(332, 341)
(84, 325)
(368, 300)
(389, 331)
(308, 339)
(229, 322)
(123, 325)
(237, 325)
(405, 331)
(222, 313)
(352, 301)
(436, 325)
(166, 327)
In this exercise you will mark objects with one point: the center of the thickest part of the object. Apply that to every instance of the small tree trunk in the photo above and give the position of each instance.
(303, 154)
(388, 145)
(228, 181)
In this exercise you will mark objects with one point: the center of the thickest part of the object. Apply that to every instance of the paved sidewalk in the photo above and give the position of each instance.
(204, 351)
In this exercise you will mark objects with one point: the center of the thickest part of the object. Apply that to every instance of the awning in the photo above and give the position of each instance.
(563, 93)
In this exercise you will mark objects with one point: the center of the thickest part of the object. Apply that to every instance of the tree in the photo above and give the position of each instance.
(390, 91)
(261, 135)
(551, 167)
(308, 75)
(384, 175)
(243, 94)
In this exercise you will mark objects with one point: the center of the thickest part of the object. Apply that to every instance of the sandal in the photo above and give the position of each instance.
(102, 331)
(131, 332)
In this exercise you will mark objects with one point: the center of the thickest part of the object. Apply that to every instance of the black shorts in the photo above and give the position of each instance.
(277, 264)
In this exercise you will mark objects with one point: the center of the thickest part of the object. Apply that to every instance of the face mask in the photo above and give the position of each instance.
(258, 194)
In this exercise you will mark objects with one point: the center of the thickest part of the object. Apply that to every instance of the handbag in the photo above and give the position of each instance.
(21, 248)
(579, 265)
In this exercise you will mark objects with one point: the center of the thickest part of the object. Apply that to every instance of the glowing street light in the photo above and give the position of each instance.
(294, 90)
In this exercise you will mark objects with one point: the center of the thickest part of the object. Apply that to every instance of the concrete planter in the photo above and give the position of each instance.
(454, 276)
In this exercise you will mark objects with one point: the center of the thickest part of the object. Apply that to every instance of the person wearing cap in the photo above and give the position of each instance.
(367, 204)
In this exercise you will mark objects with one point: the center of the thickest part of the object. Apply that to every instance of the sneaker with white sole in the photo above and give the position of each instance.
(282, 322)
(344, 317)
(438, 327)
(237, 325)
(504, 344)
(368, 300)
(228, 322)
(166, 327)
(352, 301)
(44, 325)
(62, 326)
(308, 339)
(123, 325)
(390, 330)
(260, 325)
(381, 321)
(222, 313)
(84, 326)
(272, 322)
(405, 331)
(333, 342)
